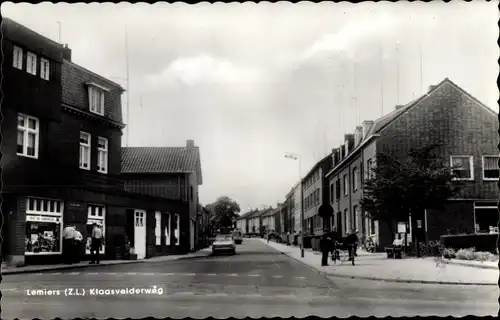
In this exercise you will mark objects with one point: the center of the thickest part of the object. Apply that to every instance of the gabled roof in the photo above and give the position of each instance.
(383, 122)
(325, 160)
(246, 214)
(158, 160)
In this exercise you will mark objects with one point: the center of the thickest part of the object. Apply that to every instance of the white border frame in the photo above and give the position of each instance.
(482, 166)
(471, 166)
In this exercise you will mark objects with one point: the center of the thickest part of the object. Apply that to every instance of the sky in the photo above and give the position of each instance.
(250, 82)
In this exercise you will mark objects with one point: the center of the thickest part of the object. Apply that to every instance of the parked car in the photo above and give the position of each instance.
(224, 243)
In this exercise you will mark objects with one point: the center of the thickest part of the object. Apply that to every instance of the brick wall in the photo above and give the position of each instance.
(165, 186)
(450, 117)
(75, 90)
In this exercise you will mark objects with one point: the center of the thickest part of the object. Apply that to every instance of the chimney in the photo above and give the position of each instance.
(66, 53)
(399, 106)
(431, 87)
(189, 144)
(358, 135)
(366, 126)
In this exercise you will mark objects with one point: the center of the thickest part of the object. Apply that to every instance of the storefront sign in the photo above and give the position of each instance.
(74, 204)
(34, 218)
(401, 227)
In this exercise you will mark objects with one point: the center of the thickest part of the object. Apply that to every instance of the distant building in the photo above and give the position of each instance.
(172, 173)
(448, 115)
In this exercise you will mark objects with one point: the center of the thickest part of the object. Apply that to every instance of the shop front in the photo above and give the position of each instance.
(43, 227)
(95, 214)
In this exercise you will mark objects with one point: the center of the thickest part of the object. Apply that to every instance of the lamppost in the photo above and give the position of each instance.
(294, 156)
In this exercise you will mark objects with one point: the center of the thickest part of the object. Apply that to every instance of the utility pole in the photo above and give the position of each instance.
(128, 86)
(382, 81)
(397, 71)
(59, 24)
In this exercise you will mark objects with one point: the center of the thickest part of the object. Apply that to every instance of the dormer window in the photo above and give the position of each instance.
(346, 148)
(18, 58)
(96, 98)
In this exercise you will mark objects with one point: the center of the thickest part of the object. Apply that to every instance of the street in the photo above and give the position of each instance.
(258, 281)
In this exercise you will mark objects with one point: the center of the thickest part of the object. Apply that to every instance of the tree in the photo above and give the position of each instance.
(225, 210)
(395, 189)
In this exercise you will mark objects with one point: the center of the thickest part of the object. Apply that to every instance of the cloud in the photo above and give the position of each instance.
(360, 30)
(204, 69)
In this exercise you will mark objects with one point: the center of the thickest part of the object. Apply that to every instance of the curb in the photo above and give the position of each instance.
(387, 279)
(471, 265)
(71, 267)
(66, 267)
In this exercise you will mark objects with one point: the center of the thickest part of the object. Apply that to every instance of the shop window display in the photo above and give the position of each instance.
(96, 214)
(43, 226)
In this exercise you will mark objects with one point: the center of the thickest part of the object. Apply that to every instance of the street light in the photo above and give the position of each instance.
(294, 156)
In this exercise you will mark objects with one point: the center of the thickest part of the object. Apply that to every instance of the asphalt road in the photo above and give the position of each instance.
(258, 281)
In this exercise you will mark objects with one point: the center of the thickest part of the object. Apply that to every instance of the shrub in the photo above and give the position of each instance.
(466, 254)
(482, 242)
(449, 253)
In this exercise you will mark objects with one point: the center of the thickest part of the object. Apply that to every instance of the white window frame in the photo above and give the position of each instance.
(38, 212)
(26, 129)
(44, 69)
(92, 217)
(482, 160)
(168, 229)
(85, 146)
(102, 155)
(31, 63)
(158, 228)
(471, 162)
(92, 90)
(177, 231)
(17, 58)
(345, 182)
(355, 176)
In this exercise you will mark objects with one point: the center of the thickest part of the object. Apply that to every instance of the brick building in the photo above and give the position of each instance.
(65, 168)
(447, 115)
(315, 195)
(172, 173)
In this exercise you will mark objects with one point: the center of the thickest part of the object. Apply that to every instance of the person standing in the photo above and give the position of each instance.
(352, 242)
(95, 244)
(68, 244)
(324, 246)
(78, 246)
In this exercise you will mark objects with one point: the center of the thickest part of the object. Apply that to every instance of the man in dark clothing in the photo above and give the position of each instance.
(324, 245)
(352, 242)
(335, 239)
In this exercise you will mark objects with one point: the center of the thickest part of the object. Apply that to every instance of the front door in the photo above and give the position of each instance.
(140, 233)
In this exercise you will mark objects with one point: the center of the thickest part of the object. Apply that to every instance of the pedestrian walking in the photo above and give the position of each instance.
(325, 247)
(95, 245)
(68, 244)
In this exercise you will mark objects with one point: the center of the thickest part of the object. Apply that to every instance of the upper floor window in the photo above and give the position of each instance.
(337, 189)
(332, 192)
(44, 69)
(490, 168)
(462, 167)
(31, 63)
(346, 186)
(355, 179)
(102, 155)
(369, 168)
(96, 211)
(18, 58)
(84, 150)
(96, 100)
(28, 131)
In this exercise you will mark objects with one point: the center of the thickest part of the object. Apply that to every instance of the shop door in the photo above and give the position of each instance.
(140, 233)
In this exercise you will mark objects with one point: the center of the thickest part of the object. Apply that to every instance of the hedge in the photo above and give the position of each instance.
(482, 242)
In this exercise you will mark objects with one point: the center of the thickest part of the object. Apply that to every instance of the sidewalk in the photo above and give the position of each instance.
(6, 270)
(376, 266)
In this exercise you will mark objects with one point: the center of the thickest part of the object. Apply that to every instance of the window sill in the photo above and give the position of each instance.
(97, 113)
(87, 169)
(102, 172)
(27, 156)
(491, 179)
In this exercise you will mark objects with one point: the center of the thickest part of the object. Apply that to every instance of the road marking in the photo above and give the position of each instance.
(167, 274)
(9, 289)
(148, 274)
(254, 275)
(277, 276)
(56, 273)
(74, 273)
(211, 274)
(233, 274)
(184, 293)
(186, 274)
(300, 278)
(131, 273)
(92, 273)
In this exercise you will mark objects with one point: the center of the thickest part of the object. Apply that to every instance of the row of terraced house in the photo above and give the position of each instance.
(68, 166)
(465, 130)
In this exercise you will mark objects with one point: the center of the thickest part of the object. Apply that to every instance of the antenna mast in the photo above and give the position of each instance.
(382, 80)
(421, 70)
(397, 71)
(128, 87)
(59, 24)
